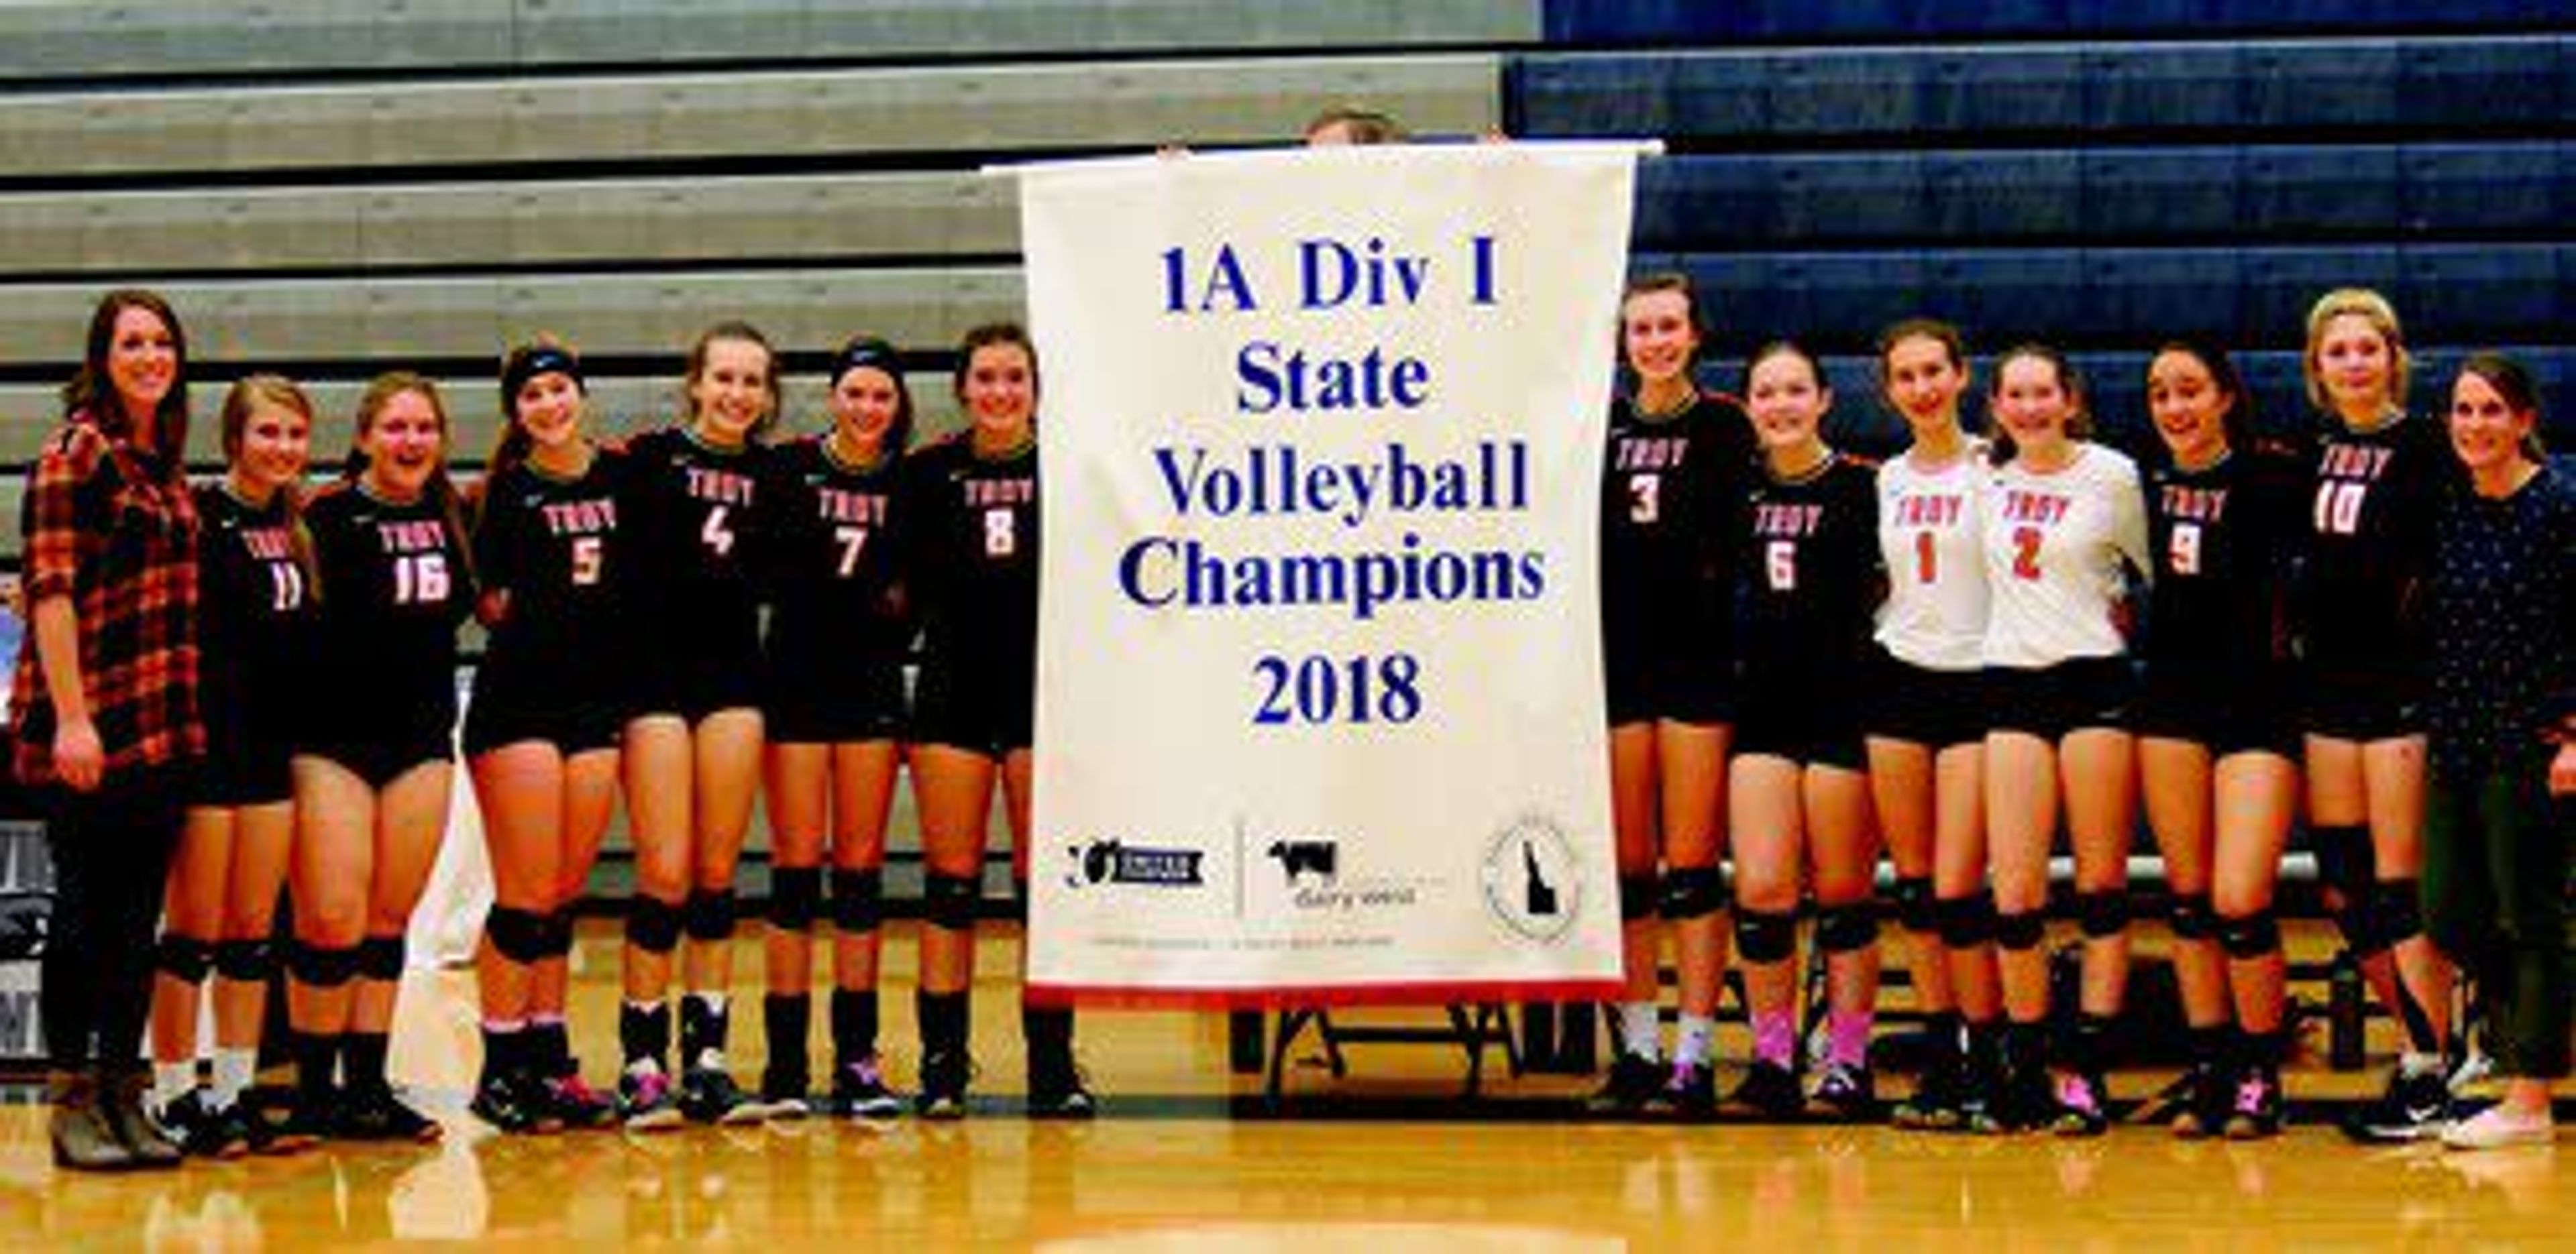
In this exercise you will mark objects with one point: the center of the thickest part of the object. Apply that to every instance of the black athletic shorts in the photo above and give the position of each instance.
(2222, 710)
(1808, 715)
(986, 709)
(2050, 701)
(1919, 705)
(836, 700)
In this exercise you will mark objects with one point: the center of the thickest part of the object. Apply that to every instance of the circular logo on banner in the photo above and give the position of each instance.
(1531, 883)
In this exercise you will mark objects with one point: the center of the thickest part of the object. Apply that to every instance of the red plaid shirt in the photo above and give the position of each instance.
(103, 528)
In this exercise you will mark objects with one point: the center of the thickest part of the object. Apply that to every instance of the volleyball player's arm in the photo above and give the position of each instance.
(496, 550)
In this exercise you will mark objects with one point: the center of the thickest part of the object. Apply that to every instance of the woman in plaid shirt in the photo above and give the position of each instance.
(107, 710)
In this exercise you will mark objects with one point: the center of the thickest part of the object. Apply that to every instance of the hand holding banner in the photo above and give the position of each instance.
(1320, 707)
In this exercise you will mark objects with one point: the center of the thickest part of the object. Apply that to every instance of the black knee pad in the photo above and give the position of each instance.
(184, 958)
(1916, 911)
(2104, 913)
(1637, 897)
(2396, 913)
(1693, 892)
(795, 897)
(858, 900)
(2192, 918)
(653, 925)
(1017, 909)
(2250, 936)
(948, 901)
(245, 961)
(559, 932)
(1765, 937)
(1966, 922)
(709, 914)
(1847, 929)
(2020, 930)
(381, 958)
(322, 967)
(519, 935)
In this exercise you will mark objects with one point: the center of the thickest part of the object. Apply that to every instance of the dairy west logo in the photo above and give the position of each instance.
(1532, 885)
(1307, 863)
(1117, 862)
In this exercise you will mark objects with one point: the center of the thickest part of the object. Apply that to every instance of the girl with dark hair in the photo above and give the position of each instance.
(835, 707)
(1673, 484)
(2218, 727)
(971, 502)
(105, 711)
(256, 577)
(698, 497)
(2503, 716)
(1926, 719)
(2379, 479)
(2063, 516)
(374, 768)
(541, 732)
(1799, 794)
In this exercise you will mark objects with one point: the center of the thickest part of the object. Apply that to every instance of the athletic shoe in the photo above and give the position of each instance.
(2256, 1112)
(783, 1095)
(512, 1102)
(1935, 1104)
(2201, 1107)
(1846, 1093)
(2498, 1128)
(373, 1113)
(575, 1104)
(943, 1086)
(1770, 1091)
(1634, 1081)
(1688, 1094)
(2083, 1106)
(2023, 1098)
(709, 1095)
(308, 1120)
(645, 1102)
(201, 1130)
(859, 1092)
(2413, 1108)
(1057, 1090)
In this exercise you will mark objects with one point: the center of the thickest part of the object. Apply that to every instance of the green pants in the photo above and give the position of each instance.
(2495, 900)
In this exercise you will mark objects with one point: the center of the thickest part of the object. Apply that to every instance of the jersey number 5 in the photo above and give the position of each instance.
(588, 559)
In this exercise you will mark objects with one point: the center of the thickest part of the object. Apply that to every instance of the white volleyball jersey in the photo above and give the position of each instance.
(1935, 613)
(2054, 544)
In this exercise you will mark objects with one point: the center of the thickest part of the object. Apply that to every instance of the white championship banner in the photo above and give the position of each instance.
(1319, 713)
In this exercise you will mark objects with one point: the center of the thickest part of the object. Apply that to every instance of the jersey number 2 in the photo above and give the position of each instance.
(2026, 552)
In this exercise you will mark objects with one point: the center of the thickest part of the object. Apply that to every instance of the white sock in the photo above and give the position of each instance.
(1640, 1029)
(2412, 1064)
(172, 1081)
(714, 1002)
(1698, 1033)
(233, 1071)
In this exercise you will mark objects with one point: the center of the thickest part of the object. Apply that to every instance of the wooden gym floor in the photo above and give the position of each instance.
(1185, 1156)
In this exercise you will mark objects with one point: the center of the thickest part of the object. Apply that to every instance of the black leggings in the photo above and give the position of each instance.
(111, 851)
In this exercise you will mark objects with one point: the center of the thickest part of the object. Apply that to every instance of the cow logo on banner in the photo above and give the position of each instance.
(1320, 710)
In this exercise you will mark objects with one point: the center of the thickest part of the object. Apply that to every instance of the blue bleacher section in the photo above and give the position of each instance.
(2447, 86)
(1726, 21)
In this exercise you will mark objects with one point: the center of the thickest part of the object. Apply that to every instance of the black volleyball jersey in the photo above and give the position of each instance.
(1811, 569)
(556, 548)
(2370, 537)
(701, 520)
(256, 606)
(837, 561)
(2224, 538)
(1672, 496)
(972, 558)
(395, 587)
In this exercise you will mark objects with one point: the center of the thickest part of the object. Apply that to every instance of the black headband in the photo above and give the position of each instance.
(542, 359)
(874, 354)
